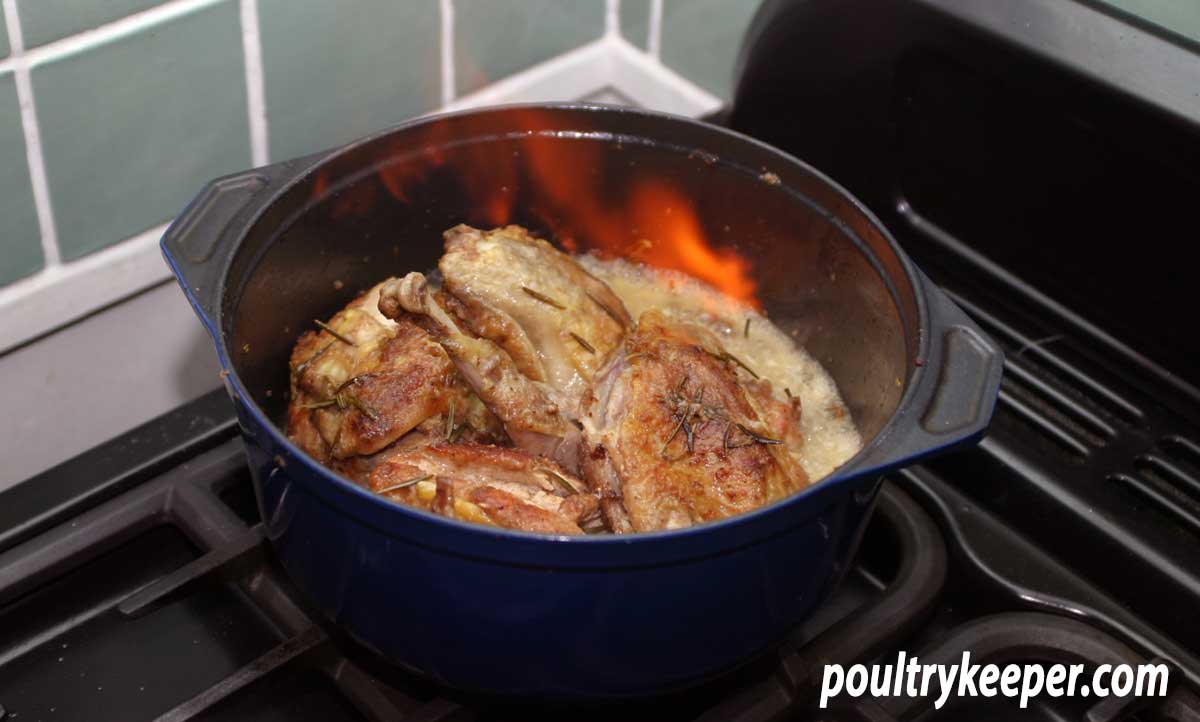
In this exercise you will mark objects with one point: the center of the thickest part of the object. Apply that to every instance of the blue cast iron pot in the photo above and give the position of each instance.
(262, 253)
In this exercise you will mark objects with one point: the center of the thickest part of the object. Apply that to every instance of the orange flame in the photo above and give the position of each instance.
(648, 220)
(653, 223)
(675, 239)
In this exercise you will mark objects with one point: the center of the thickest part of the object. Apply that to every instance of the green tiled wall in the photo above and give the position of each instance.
(134, 118)
(332, 76)
(43, 21)
(20, 244)
(150, 132)
(496, 39)
(700, 39)
(635, 22)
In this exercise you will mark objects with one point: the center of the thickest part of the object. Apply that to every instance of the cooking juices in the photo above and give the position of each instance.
(830, 437)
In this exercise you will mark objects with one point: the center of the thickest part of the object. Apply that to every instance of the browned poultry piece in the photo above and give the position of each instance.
(557, 322)
(362, 382)
(673, 437)
(526, 326)
(406, 389)
(489, 485)
(527, 408)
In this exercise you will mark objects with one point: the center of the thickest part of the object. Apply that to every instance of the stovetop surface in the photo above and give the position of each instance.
(136, 583)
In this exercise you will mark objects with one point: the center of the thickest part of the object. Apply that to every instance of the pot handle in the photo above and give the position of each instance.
(199, 244)
(956, 392)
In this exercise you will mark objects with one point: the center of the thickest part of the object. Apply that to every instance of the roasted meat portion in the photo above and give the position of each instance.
(488, 485)
(360, 382)
(420, 389)
(526, 326)
(556, 321)
(675, 437)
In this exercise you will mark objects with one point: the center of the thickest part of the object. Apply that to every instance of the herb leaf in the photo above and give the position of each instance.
(543, 298)
(404, 484)
(314, 357)
(318, 404)
(561, 481)
(580, 340)
(607, 309)
(329, 330)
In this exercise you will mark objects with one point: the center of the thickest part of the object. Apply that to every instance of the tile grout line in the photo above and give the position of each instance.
(654, 30)
(612, 17)
(446, 15)
(51, 256)
(123, 26)
(256, 102)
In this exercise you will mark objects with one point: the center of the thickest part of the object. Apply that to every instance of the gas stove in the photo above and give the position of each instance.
(136, 581)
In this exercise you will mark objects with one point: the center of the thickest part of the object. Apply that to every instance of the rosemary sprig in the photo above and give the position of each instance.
(741, 363)
(746, 328)
(755, 438)
(683, 413)
(759, 437)
(543, 298)
(329, 330)
(404, 484)
(350, 381)
(561, 481)
(319, 404)
(692, 415)
(726, 356)
(605, 307)
(314, 357)
(345, 400)
(580, 340)
(663, 451)
(450, 421)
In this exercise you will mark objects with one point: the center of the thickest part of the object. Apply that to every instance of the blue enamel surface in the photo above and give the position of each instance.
(554, 629)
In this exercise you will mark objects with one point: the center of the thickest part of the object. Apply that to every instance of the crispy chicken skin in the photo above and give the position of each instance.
(369, 382)
(556, 321)
(413, 390)
(488, 485)
(673, 437)
(526, 326)
(527, 408)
